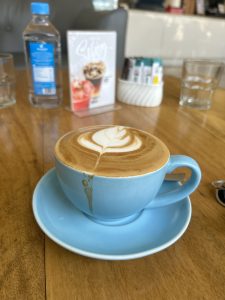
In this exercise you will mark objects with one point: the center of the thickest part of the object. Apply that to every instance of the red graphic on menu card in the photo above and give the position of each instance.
(81, 94)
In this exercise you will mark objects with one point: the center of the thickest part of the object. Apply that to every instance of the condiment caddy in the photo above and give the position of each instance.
(142, 82)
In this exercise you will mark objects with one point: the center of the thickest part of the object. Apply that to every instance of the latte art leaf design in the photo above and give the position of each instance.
(113, 151)
(111, 140)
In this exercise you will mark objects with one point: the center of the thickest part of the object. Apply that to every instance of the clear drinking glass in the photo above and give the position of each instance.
(200, 78)
(7, 80)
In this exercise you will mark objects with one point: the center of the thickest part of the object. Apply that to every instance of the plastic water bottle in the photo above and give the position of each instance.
(43, 58)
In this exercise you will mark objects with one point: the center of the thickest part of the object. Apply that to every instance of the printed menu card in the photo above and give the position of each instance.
(92, 67)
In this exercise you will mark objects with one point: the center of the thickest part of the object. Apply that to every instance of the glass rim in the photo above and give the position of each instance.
(204, 61)
(5, 56)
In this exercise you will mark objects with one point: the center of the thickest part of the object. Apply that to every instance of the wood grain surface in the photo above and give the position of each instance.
(34, 267)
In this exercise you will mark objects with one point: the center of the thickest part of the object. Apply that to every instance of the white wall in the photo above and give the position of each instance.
(174, 37)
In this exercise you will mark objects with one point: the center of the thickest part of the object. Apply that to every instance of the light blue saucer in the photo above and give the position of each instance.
(155, 229)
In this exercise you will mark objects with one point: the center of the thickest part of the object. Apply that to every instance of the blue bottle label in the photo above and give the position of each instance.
(43, 68)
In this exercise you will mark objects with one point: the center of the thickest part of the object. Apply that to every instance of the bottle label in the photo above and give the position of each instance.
(43, 68)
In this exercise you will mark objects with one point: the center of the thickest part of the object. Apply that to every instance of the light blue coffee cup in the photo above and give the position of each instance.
(116, 201)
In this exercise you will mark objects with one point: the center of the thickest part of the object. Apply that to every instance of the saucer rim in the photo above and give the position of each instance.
(102, 256)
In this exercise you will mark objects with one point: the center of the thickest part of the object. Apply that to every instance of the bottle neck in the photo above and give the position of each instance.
(40, 19)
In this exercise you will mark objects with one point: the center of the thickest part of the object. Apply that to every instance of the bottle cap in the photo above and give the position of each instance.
(157, 60)
(147, 62)
(39, 8)
(138, 62)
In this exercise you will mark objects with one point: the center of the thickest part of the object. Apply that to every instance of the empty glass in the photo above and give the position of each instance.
(199, 81)
(7, 80)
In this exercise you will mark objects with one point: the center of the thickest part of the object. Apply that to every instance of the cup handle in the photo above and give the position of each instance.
(182, 191)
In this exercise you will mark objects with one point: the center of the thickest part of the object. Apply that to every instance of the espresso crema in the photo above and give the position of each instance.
(113, 151)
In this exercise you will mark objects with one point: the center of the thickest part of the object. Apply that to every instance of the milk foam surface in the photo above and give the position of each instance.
(114, 151)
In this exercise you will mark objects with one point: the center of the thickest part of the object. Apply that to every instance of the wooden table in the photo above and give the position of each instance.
(34, 267)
